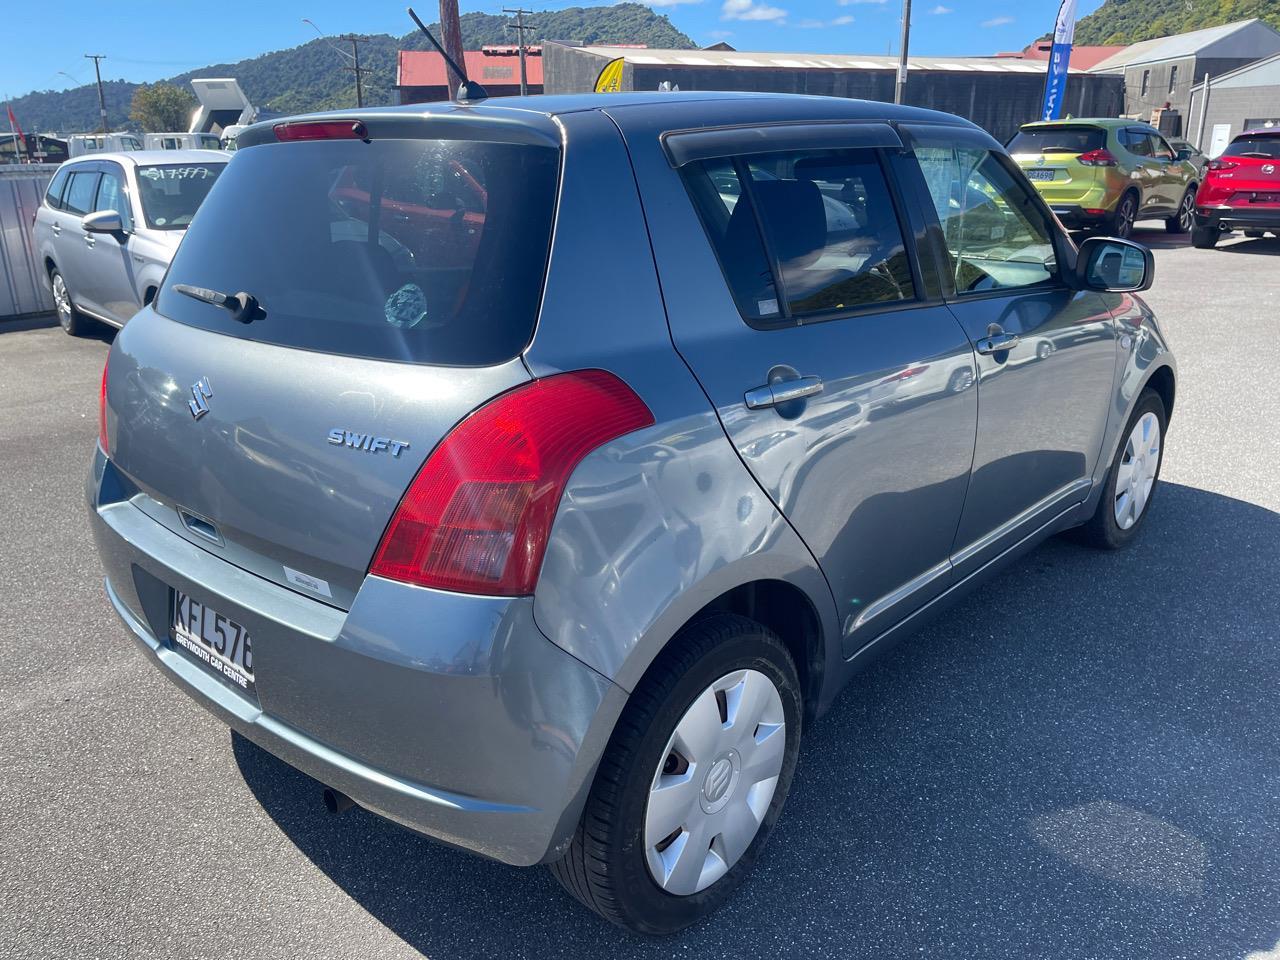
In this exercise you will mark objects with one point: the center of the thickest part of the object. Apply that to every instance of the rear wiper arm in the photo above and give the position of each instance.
(243, 306)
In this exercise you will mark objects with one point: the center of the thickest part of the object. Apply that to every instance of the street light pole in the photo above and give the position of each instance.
(102, 103)
(900, 88)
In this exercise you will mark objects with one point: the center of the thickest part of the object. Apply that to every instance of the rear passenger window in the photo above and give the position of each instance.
(80, 191)
(803, 235)
(53, 196)
(996, 236)
(1136, 142)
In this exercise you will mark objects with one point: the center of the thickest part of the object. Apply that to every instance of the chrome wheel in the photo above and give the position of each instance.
(1136, 474)
(62, 301)
(1126, 216)
(715, 782)
(1186, 212)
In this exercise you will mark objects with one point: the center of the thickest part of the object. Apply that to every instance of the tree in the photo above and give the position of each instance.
(161, 107)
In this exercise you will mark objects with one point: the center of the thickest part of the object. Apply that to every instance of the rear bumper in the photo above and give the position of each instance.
(451, 715)
(1076, 217)
(1239, 218)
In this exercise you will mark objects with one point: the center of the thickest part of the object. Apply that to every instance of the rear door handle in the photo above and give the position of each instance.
(997, 343)
(56, 228)
(784, 391)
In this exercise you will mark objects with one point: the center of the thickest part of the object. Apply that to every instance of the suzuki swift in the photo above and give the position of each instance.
(531, 472)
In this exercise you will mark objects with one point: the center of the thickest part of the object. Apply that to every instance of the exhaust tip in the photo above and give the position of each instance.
(335, 801)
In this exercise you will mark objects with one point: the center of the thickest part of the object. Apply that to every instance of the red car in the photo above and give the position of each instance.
(1241, 190)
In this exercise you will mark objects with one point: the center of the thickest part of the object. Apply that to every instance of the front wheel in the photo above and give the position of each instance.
(1205, 238)
(1131, 482)
(1183, 220)
(692, 781)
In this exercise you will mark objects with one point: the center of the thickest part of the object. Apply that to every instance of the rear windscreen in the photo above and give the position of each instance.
(1058, 140)
(1268, 147)
(427, 251)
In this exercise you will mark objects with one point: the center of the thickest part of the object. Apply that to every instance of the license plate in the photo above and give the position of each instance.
(1040, 174)
(214, 640)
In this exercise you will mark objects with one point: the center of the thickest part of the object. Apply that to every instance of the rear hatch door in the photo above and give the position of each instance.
(398, 282)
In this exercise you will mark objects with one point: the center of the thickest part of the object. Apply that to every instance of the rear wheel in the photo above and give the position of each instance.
(1121, 223)
(1255, 234)
(1205, 238)
(69, 318)
(1183, 220)
(1132, 480)
(692, 781)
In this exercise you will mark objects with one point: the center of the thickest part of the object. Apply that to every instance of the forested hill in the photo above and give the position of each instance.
(1128, 21)
(311, 77)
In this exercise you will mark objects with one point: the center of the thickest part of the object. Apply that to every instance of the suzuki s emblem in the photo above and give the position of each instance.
(200, 394)
(1268, 168)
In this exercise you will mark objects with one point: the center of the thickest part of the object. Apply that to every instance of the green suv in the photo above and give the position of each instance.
(1106, 174)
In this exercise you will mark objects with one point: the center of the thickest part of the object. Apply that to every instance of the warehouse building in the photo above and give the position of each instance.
(1163, 71)
(1245, 99)
(421, 75)
(998, 94)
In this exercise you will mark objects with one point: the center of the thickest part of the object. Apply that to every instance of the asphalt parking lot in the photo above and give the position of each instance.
(1080, 761)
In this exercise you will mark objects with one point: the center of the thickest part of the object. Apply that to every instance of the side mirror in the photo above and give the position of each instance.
(1184, 154)
(104, 221)
(1113, 265)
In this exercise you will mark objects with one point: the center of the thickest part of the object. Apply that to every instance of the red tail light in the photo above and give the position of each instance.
(102, 409)
(1101, 157)
(1222, 165)
(477, 517)
(321, 130)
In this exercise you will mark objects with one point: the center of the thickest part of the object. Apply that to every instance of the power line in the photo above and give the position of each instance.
(355, 39)
(519, 27)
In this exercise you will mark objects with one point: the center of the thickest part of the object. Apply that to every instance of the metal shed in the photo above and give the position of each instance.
(1245, 99)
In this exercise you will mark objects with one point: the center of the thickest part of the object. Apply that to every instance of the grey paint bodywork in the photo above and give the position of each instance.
(480, 720)
(111, 276)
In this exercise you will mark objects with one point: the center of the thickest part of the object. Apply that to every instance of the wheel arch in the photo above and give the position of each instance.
(1164, 382)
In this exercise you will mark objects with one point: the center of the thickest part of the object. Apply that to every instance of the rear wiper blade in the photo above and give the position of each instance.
(243, 306)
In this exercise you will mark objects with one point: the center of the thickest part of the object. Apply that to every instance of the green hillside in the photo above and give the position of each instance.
(1128, 21)
(311, 77)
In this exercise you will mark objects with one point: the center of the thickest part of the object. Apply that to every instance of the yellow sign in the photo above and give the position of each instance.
(610, 79)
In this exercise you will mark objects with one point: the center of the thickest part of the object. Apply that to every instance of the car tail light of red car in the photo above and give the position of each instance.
(1217, 165)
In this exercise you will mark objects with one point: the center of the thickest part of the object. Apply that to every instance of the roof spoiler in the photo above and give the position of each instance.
(467, 89)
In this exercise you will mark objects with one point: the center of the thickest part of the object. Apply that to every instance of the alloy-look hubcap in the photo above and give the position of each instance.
(1185, 214)
(61, 300)
(715, 782)
(1137, 473)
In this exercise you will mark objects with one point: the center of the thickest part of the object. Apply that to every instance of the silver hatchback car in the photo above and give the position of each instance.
(109, 225)
(530, 472)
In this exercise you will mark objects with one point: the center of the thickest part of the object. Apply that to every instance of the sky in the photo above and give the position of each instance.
(146, 40)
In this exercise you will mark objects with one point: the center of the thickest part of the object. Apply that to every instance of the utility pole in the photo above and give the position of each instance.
(355, 39)
(520, 28)
(451, 28)
(102, 102)
(900, 88)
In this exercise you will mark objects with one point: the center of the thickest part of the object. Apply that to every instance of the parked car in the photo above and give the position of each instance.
(1107, 174)
(109, 224)
(80, 144)
(550, 550)
(1241, 190)
(183, 141)
(1192, 154)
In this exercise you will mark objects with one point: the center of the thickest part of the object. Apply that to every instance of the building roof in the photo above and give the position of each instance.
(1082, 58)
(493, 66)
(1244, 38)
(1260, 73)
(811, 61)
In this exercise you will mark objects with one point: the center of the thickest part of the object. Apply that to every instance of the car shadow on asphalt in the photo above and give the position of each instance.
(1080, 760)
(42, 321)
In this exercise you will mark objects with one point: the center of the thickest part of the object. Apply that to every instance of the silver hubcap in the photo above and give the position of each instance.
(1184, 215)
(715, 782)
(62, 300)
(1124, 225)
(1137, 473)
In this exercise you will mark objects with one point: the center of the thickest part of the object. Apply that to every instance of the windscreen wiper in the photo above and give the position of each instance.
(243, 306)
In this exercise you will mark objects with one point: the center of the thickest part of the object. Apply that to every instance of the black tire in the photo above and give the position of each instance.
(1255, 234)
(1101, 530)
(1120, 224)
(70, 319)
(605, 867)
(1205, 238)
(1183, 220)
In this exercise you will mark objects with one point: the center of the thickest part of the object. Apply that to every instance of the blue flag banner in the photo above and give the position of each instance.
(1055, 81)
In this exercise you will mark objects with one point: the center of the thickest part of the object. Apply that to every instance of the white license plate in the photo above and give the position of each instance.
(1040, 174)
(214, 640)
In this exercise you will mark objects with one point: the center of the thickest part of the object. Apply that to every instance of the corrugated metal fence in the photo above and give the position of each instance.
(23, 287)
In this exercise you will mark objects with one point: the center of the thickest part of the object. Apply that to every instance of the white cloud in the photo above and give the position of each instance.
(940, 10)
(842, 21)
(750, 10)
(997, 21)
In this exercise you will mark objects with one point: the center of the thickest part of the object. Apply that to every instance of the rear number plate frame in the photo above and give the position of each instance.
(1040, 174)
(215, 641)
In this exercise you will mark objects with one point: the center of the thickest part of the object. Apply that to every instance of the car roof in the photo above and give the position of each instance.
(146, 157)
(1109, 123)
(1259, 132)
(540, 111)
